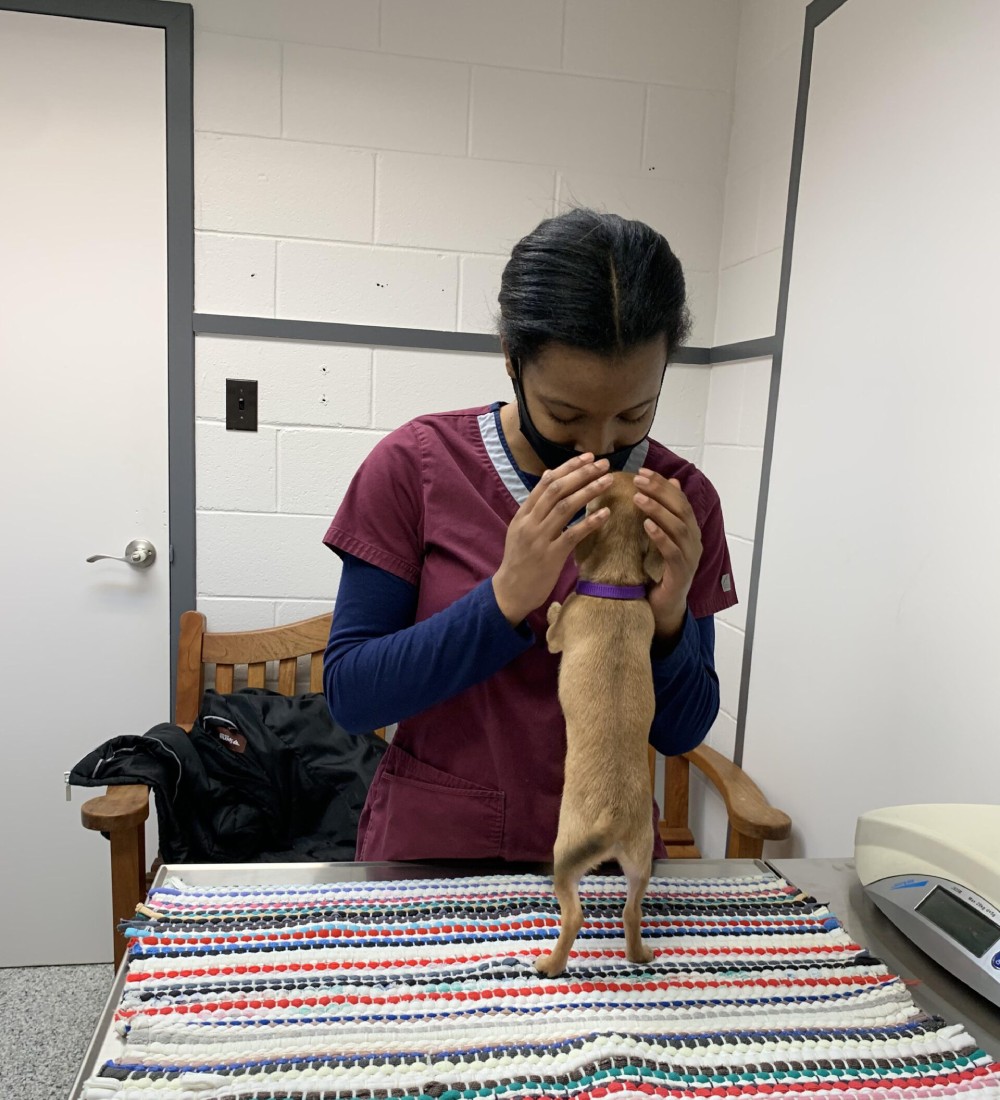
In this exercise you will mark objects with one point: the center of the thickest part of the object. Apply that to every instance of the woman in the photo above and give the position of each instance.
(458, 530)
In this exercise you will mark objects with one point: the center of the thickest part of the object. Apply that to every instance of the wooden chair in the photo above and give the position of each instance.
(752, 819)
(121, 813)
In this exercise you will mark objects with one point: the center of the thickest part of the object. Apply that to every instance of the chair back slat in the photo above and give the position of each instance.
(230, 651)
(287, 675)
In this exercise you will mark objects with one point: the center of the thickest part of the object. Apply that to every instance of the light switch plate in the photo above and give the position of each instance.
(241, 404)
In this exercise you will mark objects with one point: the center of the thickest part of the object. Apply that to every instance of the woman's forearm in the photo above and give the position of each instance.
(381, 667)
(687, 689)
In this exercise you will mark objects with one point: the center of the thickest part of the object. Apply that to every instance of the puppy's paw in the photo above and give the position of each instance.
(553, 613)
(642, 954)
(549, 966)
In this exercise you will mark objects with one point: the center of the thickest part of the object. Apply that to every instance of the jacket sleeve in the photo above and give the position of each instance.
(380, 666)
(686, 688)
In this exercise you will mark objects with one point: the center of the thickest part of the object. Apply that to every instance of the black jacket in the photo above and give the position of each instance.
(261, 776)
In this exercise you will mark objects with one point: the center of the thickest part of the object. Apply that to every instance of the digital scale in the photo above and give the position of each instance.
(935, 873)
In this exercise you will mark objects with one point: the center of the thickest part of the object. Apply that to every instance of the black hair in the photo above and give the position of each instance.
(595, 281)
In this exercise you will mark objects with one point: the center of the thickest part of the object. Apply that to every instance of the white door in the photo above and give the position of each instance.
(83, 364)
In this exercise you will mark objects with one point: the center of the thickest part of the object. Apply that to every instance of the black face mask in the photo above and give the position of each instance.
(555, 454)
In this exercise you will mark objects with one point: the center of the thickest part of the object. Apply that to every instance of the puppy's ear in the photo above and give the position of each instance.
(652, 563)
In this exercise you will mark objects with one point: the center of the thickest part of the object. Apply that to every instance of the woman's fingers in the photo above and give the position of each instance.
(561, 496)
(664, 519)
(666, 493)
(573, 536)
(563, 510)
(673, 550)
(551, 476)
(665, 504)
(672, 527)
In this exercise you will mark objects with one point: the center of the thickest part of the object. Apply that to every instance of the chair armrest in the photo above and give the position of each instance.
(122, 807)
(749, 811)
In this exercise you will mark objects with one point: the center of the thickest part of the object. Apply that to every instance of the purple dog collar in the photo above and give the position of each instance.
(611, 591)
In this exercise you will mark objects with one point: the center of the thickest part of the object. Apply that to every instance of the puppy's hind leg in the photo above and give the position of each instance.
(570, 867)
(636, 861)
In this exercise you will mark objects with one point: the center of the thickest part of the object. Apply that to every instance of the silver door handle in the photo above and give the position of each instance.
(139, 553)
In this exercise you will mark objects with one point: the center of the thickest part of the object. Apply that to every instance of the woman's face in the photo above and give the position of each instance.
(593, 402)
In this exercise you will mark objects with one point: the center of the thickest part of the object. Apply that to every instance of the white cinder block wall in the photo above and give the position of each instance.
(760, 153)
(373, 163)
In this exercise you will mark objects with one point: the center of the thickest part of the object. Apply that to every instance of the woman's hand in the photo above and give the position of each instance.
(538, 542)
(674, 531)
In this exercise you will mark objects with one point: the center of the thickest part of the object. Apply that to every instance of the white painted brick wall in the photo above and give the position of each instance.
(522, 33)
(702, 289)
(308, 384)
(234, 275)
(459, 204)
(366, 286)
(725, 407)
(350, 97)
(687, 133)
(351, 23)
(735, 472)
(753, 415)
(680, 413)
(550, 118)
(658, 41)
(283, 188)
(737, 405)
(265, 555)
(759, 160)
(237, 85)
(236, 614)
(433, 382)
(237, 470)
(291, 611)
(479, 286)
(655, 200)
(315, 466)
(748, 299)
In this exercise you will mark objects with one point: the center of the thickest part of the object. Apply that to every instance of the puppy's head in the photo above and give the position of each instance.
(620, 551)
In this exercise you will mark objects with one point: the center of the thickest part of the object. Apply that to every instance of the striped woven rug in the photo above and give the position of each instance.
(425, 988)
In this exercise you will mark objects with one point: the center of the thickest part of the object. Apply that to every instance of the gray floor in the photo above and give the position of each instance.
(41, 1063)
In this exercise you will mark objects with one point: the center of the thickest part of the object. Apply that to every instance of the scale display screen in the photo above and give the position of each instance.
(966, 925)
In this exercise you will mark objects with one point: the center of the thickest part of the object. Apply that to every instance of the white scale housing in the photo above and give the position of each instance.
(934, 871)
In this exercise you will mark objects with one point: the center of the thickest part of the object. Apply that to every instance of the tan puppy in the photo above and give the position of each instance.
(606, 693)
